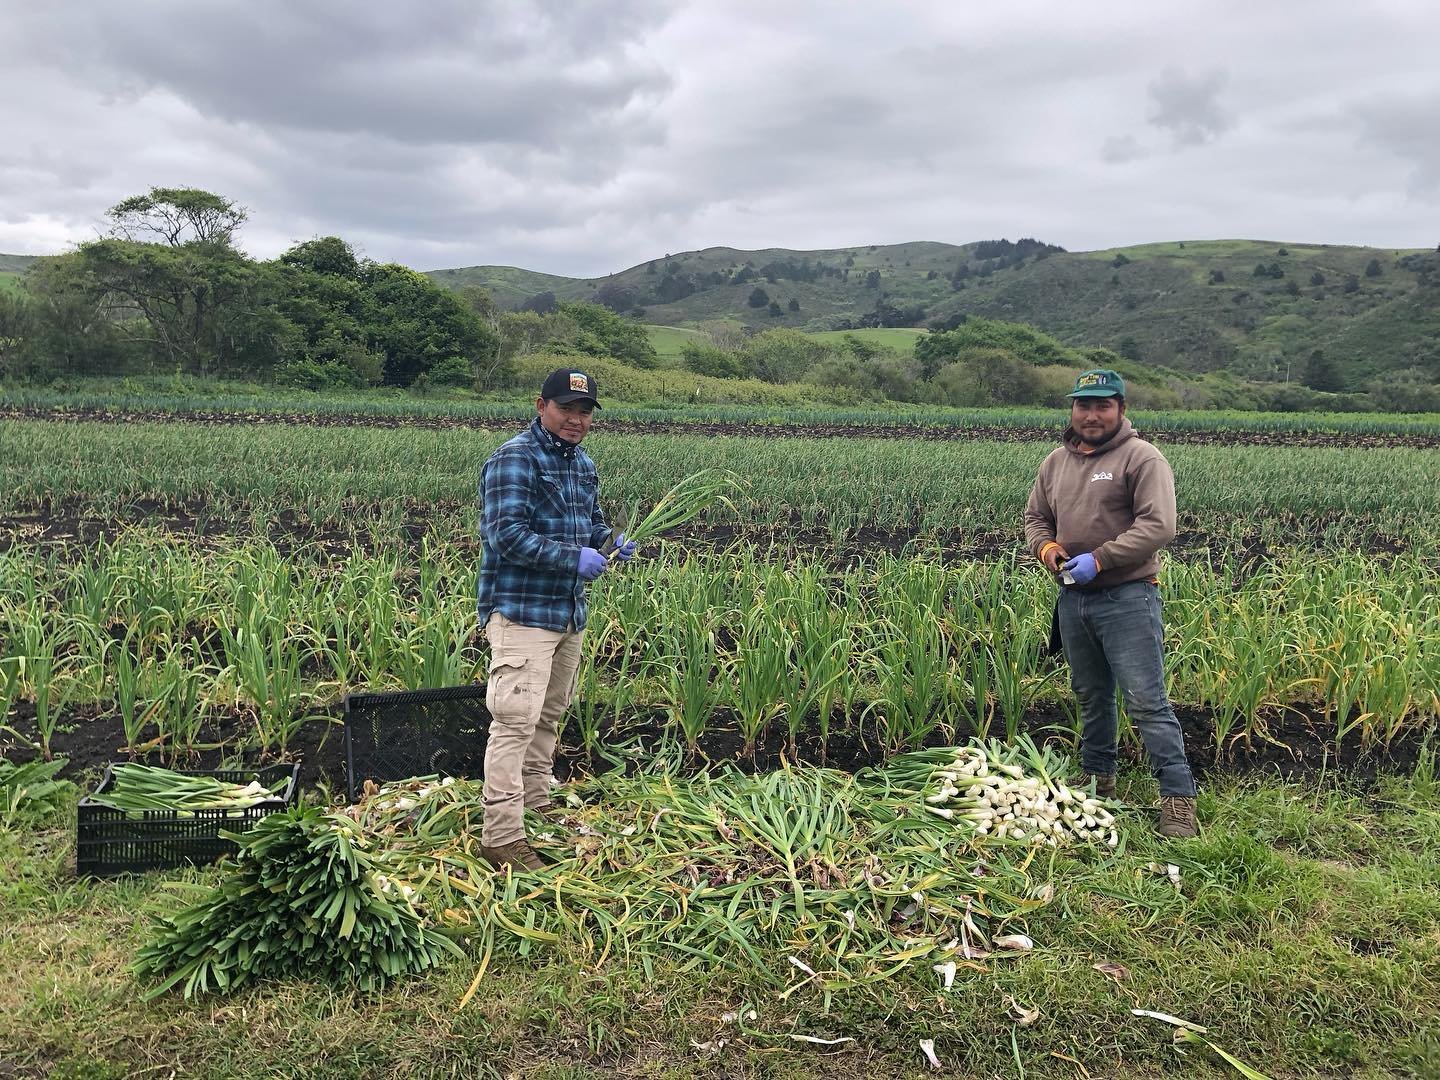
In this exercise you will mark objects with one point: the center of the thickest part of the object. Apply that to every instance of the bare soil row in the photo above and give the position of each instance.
(69, 521)
(1349, 440)
(1302, 743)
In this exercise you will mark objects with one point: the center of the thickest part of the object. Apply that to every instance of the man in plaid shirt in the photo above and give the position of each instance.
(542, 531)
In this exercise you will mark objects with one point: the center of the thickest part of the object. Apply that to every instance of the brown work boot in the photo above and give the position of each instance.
(1104, 783)
(518, 855)
(1177, 817)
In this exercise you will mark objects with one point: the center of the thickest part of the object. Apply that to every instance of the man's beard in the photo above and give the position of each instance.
(1098, 440)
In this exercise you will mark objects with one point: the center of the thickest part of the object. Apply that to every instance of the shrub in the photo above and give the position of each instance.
(1406, 391)
(712, 361)
(308, 374)
(450, 371)
(621, 383)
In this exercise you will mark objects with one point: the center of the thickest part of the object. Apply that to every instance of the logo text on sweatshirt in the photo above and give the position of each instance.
(1101, 476)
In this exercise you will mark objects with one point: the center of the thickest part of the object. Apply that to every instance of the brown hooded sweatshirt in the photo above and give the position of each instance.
(1116, 501)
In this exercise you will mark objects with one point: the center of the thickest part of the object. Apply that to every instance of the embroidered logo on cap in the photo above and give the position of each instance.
(1092, 378)
(578, 381)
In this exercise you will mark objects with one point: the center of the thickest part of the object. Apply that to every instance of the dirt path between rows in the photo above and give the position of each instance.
(898, 430)
(1298, 743)
(72, 521)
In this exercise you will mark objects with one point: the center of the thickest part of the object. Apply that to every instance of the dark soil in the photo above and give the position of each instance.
(91, 739)
(71, 520)
(1301, 745)
(700, 427)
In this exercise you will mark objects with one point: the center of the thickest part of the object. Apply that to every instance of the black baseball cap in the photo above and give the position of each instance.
(564, 385)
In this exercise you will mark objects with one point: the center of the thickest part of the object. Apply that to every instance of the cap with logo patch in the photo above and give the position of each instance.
(564, 385)
(1100, 382)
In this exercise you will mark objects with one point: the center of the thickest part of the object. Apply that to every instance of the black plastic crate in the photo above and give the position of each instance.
(109, 842)
(415, 733)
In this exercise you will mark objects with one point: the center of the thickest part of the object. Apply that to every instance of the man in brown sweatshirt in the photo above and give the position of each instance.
(1101, 509)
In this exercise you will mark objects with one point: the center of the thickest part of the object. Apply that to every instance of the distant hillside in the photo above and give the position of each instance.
(830, 286)
(1195, 306)
(1201, 306)
(1259, 309)
(511, 286)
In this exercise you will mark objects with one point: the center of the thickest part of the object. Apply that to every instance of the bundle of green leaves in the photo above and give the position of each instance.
(684, 501)
(303, 898)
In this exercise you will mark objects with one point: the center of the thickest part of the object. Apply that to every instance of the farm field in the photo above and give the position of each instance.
(149, 399)
(900, 338)
(668, 340)
(198, 590)
(298, 481)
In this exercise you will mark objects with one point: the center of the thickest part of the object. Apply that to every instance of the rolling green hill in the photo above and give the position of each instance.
(1259, 309)
(1195, 306)
(509, 285)
(717, 283)
(1201, 306)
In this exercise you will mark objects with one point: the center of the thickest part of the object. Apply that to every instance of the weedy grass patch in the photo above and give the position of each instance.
(1320, 962)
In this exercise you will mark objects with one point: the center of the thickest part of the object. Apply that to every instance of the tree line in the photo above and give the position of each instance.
(167, 291)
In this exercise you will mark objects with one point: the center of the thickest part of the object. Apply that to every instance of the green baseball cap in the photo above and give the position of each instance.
(1100, 382)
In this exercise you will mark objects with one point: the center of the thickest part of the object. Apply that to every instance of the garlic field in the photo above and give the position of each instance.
(775, 861)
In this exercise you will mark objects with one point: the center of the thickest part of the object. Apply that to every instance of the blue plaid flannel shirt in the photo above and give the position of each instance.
(539, 505)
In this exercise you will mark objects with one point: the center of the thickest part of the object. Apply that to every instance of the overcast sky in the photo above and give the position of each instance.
(580, 138)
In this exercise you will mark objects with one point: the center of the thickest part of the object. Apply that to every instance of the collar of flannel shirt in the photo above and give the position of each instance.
(550, 442)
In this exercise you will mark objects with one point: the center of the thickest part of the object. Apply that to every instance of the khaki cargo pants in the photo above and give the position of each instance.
(532, 680)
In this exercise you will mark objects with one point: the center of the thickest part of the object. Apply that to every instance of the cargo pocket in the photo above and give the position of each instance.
(512, 694)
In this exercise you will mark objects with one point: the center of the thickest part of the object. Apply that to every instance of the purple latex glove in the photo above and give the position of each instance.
(1081, 569)
(591, 564)
(624, 549)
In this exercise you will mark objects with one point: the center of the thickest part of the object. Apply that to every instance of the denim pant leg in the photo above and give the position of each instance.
(1126, 622)
(1093, 684)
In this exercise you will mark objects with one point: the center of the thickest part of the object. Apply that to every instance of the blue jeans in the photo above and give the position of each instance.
(1114, 637)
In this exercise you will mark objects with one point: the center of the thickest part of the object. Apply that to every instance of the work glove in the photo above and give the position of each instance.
(1081, 568)
(591, 564)
(624, 549)
(1053, 557)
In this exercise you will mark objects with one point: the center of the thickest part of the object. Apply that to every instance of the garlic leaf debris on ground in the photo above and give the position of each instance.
(817, 878)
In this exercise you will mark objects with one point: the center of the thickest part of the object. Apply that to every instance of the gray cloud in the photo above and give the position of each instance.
(1188, 106)
(1406, 127)
(521, 74)
(1119, 149)
(582, 138)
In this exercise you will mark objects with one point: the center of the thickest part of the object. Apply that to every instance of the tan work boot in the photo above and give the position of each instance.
(518, 855)
(1104, 783)
(1177, 817)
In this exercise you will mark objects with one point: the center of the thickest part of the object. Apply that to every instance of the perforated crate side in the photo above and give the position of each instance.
(407, 733)
(110, 842)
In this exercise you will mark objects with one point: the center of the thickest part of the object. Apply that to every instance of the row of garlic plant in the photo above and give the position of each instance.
(149, 396)
(163, 635)
(374, 481)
